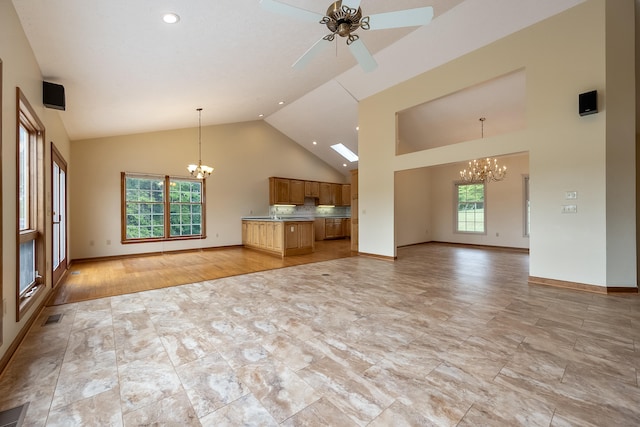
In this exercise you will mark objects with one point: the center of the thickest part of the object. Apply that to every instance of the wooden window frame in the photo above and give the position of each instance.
(27, 117)
(167, 209)
(457, 202)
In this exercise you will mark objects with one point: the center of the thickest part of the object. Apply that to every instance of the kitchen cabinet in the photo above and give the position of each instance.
(318, 226)
(325, 197)
(278, 191)
(284, 191)
(346, 227)
(336, 194)
(332, 228)
(278, 237)
(296, 192)
(346, 195)
(298, 237)
(312, 189)
(287, 191)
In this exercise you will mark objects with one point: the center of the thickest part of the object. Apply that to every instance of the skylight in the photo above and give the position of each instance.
(345, 152)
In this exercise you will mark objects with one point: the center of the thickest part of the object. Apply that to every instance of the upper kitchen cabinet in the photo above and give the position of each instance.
(284, 191)
(287, 191)
(326, 197)
(346, 195)
(278, 191)
(296, 192)
(312, 189)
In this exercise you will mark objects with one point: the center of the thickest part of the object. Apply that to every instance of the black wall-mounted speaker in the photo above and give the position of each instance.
(588, 103)
(53, 95)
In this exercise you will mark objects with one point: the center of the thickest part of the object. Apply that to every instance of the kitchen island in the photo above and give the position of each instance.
(279, 236)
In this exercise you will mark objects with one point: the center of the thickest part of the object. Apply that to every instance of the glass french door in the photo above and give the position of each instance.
(59, 214)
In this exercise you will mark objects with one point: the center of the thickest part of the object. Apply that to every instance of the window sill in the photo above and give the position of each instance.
(27, 302)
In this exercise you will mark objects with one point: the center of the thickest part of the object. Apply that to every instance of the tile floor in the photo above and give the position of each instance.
(444, 336)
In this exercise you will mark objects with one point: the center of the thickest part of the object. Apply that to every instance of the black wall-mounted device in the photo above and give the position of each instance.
(53, 96)
(588, 103)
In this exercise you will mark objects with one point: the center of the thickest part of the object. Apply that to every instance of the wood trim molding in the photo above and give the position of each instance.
(470, 245)
(604, 290)
(383, 257)
(23, 332)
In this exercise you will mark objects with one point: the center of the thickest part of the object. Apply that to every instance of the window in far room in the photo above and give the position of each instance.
(30, 195)
(470, 208)
(156, 208)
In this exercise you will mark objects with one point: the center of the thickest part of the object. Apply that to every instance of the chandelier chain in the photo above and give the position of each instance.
(200, 171)
(483, 170)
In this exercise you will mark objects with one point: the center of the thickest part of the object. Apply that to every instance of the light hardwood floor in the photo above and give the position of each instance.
(444, 336)
(93, 279)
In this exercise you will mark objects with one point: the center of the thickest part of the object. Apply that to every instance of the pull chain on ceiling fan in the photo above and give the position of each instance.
(343, 18)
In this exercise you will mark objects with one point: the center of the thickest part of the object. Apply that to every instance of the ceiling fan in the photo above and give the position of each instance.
(343, 18)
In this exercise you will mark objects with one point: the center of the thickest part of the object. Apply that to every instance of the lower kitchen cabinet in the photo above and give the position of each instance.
(332, 228)
(282, 237)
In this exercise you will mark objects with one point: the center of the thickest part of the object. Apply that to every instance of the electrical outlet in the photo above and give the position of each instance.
(571, 195)
(569, 209)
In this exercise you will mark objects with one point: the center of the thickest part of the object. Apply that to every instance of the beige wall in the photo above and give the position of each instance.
(425, 201)
(20, 69)
(567, 152)
(244, 155)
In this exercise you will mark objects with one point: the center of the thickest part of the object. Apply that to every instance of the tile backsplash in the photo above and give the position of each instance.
(310, 210)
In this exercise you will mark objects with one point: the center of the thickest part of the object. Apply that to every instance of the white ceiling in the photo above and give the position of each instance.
(125, 71)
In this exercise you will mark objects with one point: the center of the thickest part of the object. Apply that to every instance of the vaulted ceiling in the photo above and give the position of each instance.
(125, 71)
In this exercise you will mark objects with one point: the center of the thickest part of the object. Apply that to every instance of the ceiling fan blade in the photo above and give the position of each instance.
(313, 51)
(363, 56)
(401, 18)
(353, 4)
(286, 9)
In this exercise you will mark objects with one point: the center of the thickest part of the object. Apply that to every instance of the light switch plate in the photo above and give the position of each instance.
(566, 209)
(571, 195)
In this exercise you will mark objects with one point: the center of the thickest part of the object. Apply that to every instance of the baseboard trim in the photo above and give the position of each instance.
(383, 257)
(6, 358)
(476, 246)
(603, 290)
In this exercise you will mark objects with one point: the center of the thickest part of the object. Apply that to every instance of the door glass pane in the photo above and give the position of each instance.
(62, 235)
(56, 215)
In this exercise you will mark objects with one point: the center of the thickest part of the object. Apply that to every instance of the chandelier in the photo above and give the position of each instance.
(483, 170)
(200, 171)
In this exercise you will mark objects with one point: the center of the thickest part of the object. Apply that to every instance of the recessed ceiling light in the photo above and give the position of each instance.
(344, 164)
(281, 103)
(345, 152)
(357, 127)
(315, 142)
(170, 18)
(260, 115)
